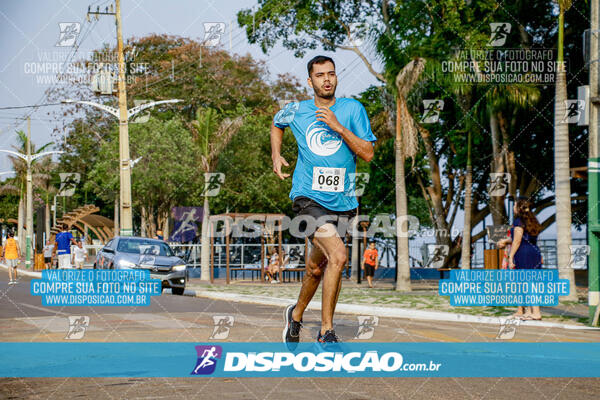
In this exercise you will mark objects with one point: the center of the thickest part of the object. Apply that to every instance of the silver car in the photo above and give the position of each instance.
(144, 253)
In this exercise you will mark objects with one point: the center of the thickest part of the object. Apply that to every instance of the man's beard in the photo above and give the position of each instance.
(320, 92)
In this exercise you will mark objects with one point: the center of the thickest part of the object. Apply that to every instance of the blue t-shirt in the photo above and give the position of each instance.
(319, 148)
(64, 242)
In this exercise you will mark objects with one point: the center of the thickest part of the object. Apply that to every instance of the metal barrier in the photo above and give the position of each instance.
(248, 255)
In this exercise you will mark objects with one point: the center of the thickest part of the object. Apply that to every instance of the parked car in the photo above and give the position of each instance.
(144, 253)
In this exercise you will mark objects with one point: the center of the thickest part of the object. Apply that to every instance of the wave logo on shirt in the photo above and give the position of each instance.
(322, 140)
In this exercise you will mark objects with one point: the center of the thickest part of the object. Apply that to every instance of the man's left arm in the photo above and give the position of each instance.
(362, 148)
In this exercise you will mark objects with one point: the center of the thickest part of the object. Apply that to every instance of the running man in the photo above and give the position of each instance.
(330, 133)
(11, 254)
(207, 360)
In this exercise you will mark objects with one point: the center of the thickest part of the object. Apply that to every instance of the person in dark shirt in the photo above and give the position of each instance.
(524, 252)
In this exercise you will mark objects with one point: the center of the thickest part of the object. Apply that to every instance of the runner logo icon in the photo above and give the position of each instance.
(207, 359)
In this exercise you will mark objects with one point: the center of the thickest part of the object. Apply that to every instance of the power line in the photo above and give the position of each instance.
(32, 106)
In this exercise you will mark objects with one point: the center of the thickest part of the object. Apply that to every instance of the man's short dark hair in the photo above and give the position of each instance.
(318, 60)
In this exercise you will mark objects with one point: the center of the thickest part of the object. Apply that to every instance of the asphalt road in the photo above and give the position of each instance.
(191, 319)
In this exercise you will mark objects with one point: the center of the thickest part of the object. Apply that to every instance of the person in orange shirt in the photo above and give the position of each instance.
(11, 254)
(370, 262)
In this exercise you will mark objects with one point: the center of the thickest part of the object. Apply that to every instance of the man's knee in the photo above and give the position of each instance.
(313, 269)
(338, 258)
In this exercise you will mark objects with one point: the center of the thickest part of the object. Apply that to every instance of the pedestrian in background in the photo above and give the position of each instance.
(62, 246)
(274, 267)
(524, 252)
(11, 253)
(48, 251)
(370, 262)
(79, 255)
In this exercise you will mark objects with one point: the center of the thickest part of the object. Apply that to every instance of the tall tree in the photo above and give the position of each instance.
(562, 174)
(212, 136)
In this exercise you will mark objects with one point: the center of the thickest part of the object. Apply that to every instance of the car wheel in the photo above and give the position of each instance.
(178, 291)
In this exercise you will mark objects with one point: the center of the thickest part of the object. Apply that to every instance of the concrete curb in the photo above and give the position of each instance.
(388, 312)
(21, 271)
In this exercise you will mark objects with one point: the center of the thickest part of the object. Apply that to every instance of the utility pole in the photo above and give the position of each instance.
(29, 220)
(124, 162)
(594, 170)
(125, 165)
(125, 214)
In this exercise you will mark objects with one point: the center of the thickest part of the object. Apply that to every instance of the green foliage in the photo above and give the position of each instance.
(9, 206)
(380, 195)
(250, 184)
(217, 89)
(162, 177)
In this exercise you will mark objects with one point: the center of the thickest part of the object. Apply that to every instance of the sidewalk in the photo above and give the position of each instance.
(21, 271)
(423, 303)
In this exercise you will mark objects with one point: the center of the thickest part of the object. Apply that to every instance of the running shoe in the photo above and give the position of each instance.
(328, 337)
(291, 331)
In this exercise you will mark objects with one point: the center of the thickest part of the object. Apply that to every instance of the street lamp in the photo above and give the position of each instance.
(29, 158)
(124, 162)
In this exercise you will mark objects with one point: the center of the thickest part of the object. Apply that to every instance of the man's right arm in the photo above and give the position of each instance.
(278, 160)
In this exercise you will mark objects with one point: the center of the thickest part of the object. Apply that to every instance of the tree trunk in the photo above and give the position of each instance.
(117, 228)
(47, 220)
(562, 183)
(435, 192)
(205, 252)
(355, 256)
(497, 202)
(402, 257)
(20, 222)
(509, 157)
(151, 222)
(465, 258)
(143, 222)
(165, 225)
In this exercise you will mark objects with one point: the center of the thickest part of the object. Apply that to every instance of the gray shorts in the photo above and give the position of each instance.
(13, 262)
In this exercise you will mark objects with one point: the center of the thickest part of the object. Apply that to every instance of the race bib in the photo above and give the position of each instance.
(328, 179)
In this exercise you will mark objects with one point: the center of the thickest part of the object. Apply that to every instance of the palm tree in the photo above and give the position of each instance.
(211, 136)
(562, 183)
(405, 146)
(43, 182)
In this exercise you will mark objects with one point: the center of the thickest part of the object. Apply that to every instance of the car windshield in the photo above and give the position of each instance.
(141, 246)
